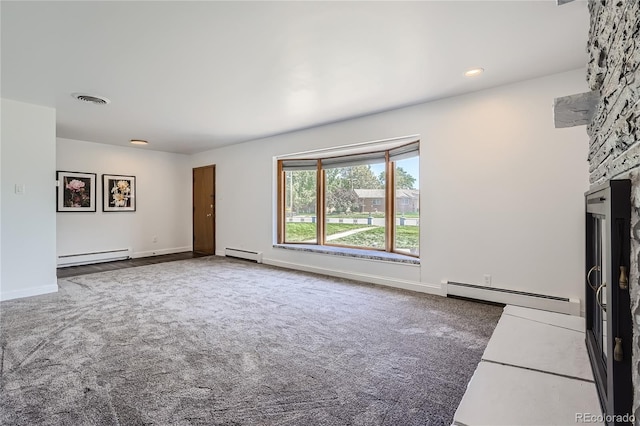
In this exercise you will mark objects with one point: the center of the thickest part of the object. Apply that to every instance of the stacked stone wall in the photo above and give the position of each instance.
(614, 150)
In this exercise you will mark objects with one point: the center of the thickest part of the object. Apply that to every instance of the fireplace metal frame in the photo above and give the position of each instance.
(608, 248)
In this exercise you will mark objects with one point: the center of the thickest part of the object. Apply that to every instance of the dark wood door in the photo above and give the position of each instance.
(204, 208)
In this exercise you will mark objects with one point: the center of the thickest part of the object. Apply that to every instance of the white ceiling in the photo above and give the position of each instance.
(191, 76)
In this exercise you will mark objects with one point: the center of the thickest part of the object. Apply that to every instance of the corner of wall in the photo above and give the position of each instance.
(28, 230)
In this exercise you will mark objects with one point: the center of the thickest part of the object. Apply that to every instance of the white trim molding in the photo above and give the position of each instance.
(367, 278)
(512, 297)
(160, 252)
(28, 292)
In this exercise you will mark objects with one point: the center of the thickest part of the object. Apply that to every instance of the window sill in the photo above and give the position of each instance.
(351, 252)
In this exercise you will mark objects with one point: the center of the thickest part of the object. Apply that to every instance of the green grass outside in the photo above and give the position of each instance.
(355, 215)
(295, 232)
(359, 215)
(303, 231)
(408, 215)
(407, 237)
(372, 238)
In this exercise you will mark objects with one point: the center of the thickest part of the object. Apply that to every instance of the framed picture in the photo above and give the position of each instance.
(76, 192)
(118, 193)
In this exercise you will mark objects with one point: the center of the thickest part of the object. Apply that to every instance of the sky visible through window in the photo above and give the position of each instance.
(355, 211)
(410, 165)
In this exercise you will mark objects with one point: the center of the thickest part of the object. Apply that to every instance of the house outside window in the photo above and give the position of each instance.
(367, 200)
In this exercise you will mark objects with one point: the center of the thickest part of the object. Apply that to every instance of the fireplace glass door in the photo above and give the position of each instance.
(607, 304)
(596, 285)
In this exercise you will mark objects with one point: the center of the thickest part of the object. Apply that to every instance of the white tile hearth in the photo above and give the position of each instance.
(504, 395)
(552, 318)
(535, 345)
(535, 371)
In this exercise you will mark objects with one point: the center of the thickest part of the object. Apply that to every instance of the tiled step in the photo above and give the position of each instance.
(535, 345)
(535, 371)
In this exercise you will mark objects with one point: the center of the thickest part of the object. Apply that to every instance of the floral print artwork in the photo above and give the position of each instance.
(76, 192)
(120, 193)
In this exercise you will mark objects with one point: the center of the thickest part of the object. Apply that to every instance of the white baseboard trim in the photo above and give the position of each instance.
(373, 279)
(220, 253)
(160, 252)
(88, 258)
(508, 297)
(28, 292)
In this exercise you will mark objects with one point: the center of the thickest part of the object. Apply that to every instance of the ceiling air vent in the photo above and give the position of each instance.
(98, 100)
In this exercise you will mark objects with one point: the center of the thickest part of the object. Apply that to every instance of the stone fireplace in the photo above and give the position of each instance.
(613, 74)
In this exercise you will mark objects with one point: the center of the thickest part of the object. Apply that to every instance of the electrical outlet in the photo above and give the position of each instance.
(487, 280)
(154, 239)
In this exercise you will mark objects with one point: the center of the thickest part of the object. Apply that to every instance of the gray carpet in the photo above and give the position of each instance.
(212, 341)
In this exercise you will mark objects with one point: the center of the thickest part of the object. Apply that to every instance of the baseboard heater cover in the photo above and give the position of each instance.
(93, 257)
(515, 297)
(243, 254)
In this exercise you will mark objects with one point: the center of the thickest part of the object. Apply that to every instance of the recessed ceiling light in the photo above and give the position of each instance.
(85, 97)
(474, 72)
(139, 142)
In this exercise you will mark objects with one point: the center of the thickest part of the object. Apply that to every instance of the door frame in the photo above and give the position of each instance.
(193, 207)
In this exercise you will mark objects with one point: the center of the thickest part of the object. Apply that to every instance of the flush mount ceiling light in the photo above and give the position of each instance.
(473, 72)
(85, 97)
(139, 142)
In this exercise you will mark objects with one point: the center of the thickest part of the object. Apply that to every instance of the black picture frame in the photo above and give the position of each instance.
(118, 193)
(77, 192)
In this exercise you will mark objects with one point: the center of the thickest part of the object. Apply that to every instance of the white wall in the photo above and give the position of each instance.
(163, 201)
(28, 227)
(1, 203)
(501, 190)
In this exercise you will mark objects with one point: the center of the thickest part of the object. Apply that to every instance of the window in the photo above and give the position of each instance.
(300, 205)
(366, 200)
(407, 221)
(347, 190)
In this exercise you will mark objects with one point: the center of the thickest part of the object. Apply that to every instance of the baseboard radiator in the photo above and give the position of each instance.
(93, 257)
(243, 254)
(514, 297)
